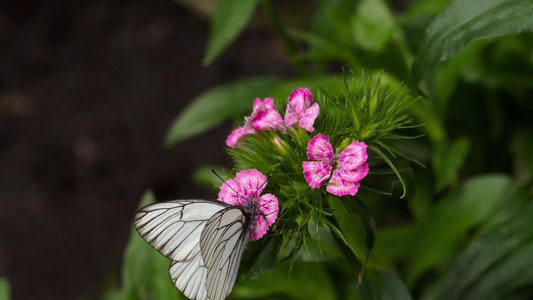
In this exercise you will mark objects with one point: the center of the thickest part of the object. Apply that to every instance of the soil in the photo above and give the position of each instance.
(88, 90)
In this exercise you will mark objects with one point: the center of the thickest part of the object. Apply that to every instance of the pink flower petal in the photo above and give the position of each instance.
(316, 172)
(355, 174)
(291, 117)
(260, 228)
(252, 183)
(268, 119)
(230, 192)
(259, 106)
(308, 96)
(352, 156)
(245, 188)
(319, 148)
(338, 186)
(268, 103)
(237, 137)
(299, 101)
(307, 119)
(268, 208)
(248, 184)
(265, 216)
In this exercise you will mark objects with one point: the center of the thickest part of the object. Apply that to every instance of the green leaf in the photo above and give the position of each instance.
(290, 280)
(464, 21)
(229, 19)
(214, 106)
(447, 77)
(4, 289)
(358, 233)
(362, 34)
(448, 159)
(447, 224)
(494, 264)
(372, 25)
(393, 244)
(382, 285)
(145, 271)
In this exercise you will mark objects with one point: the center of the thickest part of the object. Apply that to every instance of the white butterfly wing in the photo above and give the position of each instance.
(190, 276)
(222, 242)
(174, 228)
(205, 240)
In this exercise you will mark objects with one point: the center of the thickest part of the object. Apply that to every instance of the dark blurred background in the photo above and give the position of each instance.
(88, 89)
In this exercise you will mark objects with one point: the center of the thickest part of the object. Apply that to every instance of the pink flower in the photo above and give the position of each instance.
(245, 189)
(263, 117)
(237, 137)
(301, 109)
(344, 170)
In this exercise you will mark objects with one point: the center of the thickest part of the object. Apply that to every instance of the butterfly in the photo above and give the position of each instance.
(204, 239)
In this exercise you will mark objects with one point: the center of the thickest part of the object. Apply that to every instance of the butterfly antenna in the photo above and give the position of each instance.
(224, 181)
(264, 204)
(262, 185)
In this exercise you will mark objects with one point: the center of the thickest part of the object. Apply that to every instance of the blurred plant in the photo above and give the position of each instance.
(466, 215)
(4, 289)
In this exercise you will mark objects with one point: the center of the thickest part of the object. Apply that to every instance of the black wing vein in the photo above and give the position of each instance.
(221, 243)
(173, 228)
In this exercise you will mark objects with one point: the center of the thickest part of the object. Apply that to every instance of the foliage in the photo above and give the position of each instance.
(462, 229)
(4, 289)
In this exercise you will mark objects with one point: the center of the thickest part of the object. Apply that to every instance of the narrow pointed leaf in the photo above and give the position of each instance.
(358, 233)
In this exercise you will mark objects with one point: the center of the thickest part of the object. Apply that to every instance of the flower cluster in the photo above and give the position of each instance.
(344, 170)
(300, 110)
(244, 190)
(315, 147)
(290, 138)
